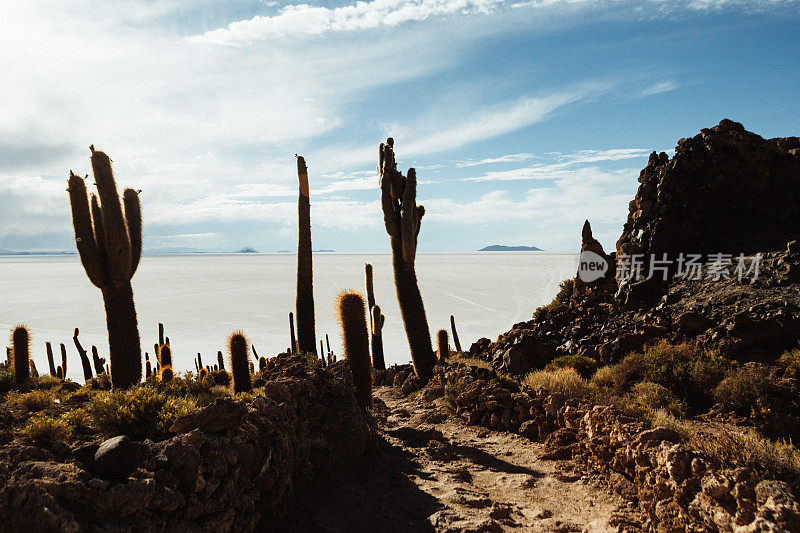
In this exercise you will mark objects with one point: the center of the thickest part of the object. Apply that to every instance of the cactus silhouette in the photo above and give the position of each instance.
(20, 343)
(98, 361)
(109, 243)
(455, 333)
(402, 218)
(64, 359)
(262, 364)
(237, 347)
(164, 356)
(166, 373)
(60, 373)
(443, 345)
(220, 362)
(50, 360)
(87, 366)
(376, 338)
(355, 342)
(293, 345)
(199, 360)
(148, 368)
(306, 336)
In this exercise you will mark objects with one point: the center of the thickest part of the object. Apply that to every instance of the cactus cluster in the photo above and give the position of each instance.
(109, 242)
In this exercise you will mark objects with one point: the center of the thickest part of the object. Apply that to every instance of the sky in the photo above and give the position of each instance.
(522, 118)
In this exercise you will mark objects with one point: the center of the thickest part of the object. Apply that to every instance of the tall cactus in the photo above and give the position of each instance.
(87, 366)
(50, 361)
(109, 242)
(376, 337)
(21, 347)
(402, 218)
(455, 333)
(306, 336)
(64, 360)
(237, 346)
(350, 310)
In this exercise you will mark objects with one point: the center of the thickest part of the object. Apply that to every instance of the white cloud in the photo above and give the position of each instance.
(510, 158)
(302, 19)
(658, 88)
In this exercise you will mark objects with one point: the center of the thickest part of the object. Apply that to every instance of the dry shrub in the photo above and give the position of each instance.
(35, 400)
(42, 428)
(565, 381)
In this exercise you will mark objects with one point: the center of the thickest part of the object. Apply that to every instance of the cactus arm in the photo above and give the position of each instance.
(99, 231)
(84, 235)
(118, 242)
(133, 216)
(410, 218)
(388, 203)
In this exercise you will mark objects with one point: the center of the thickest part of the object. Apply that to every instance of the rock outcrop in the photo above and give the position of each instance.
(233, 465)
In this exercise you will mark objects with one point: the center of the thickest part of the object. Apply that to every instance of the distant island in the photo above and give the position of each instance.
(501, 248)
(3, 251)
(246, 250)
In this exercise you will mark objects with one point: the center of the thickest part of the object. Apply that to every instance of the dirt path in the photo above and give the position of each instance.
(429, 472)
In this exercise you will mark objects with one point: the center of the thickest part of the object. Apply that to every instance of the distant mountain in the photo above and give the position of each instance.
(501, 248)
(3, 251)
(246, 250)
(283, 252)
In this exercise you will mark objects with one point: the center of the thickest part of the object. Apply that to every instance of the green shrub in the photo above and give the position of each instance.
(744, 388)
(6, 379)
(563, 380)
(653, 396)
(763, 458)
(46, 382)
(562, 298)
(789, 362)
(139, 413)
(217, 377)
(42, 428)
(35, 400)
(585, 366)
(77, 418)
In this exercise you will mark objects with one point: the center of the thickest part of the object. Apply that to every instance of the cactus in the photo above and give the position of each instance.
(203, 374)
(455, 333)
(166, 373)
(306, 336)
(87, 367)
(293, 346)
(199, 360)
(34, 372)
(443, 345)
(402, 218)
(220, 362)
(60, 373)
(328, 343)
(98, 361)
(148, 368)
(20, 343)
(376, 338)
(165, 356)
(322, 352)
(50, 360)
(160, 334)
(370, 288)
(64, 359)
(262, 364)
(255, 353)
(237, 347)
(109, 243)
(355, 341)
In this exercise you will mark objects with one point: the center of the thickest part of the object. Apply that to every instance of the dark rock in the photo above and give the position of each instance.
(116, 458)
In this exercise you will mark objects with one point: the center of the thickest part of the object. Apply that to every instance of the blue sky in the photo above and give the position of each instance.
(522, 118)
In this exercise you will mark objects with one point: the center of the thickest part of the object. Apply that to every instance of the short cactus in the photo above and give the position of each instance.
(220, 362)
(50, 361)
(60, 373)
(98, 361)
(237, 347)
(109, 242)
(166, 373)
(355, 342)
(21, 347)
(165, 356)
(262, 364)
(376, 338)
(293, 345)
(87, 366)
(64, 359)
(148, 368)
(443, 345)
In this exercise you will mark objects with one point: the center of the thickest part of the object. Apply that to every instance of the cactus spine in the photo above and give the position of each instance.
(50, 360)
(376, 338)
(20, 342)
(402, 218)
(306, 336)
(455, 333)
(237, 347)
(109, 243)
(355, 342)
(443, 345)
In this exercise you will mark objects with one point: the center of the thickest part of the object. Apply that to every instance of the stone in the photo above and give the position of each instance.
(116, 458)
(514, 362)
(777, 503)
(529, 429)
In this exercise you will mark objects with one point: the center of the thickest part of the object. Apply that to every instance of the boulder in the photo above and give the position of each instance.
(116, 458)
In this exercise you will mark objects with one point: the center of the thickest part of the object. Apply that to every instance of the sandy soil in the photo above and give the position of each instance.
(430, 472)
